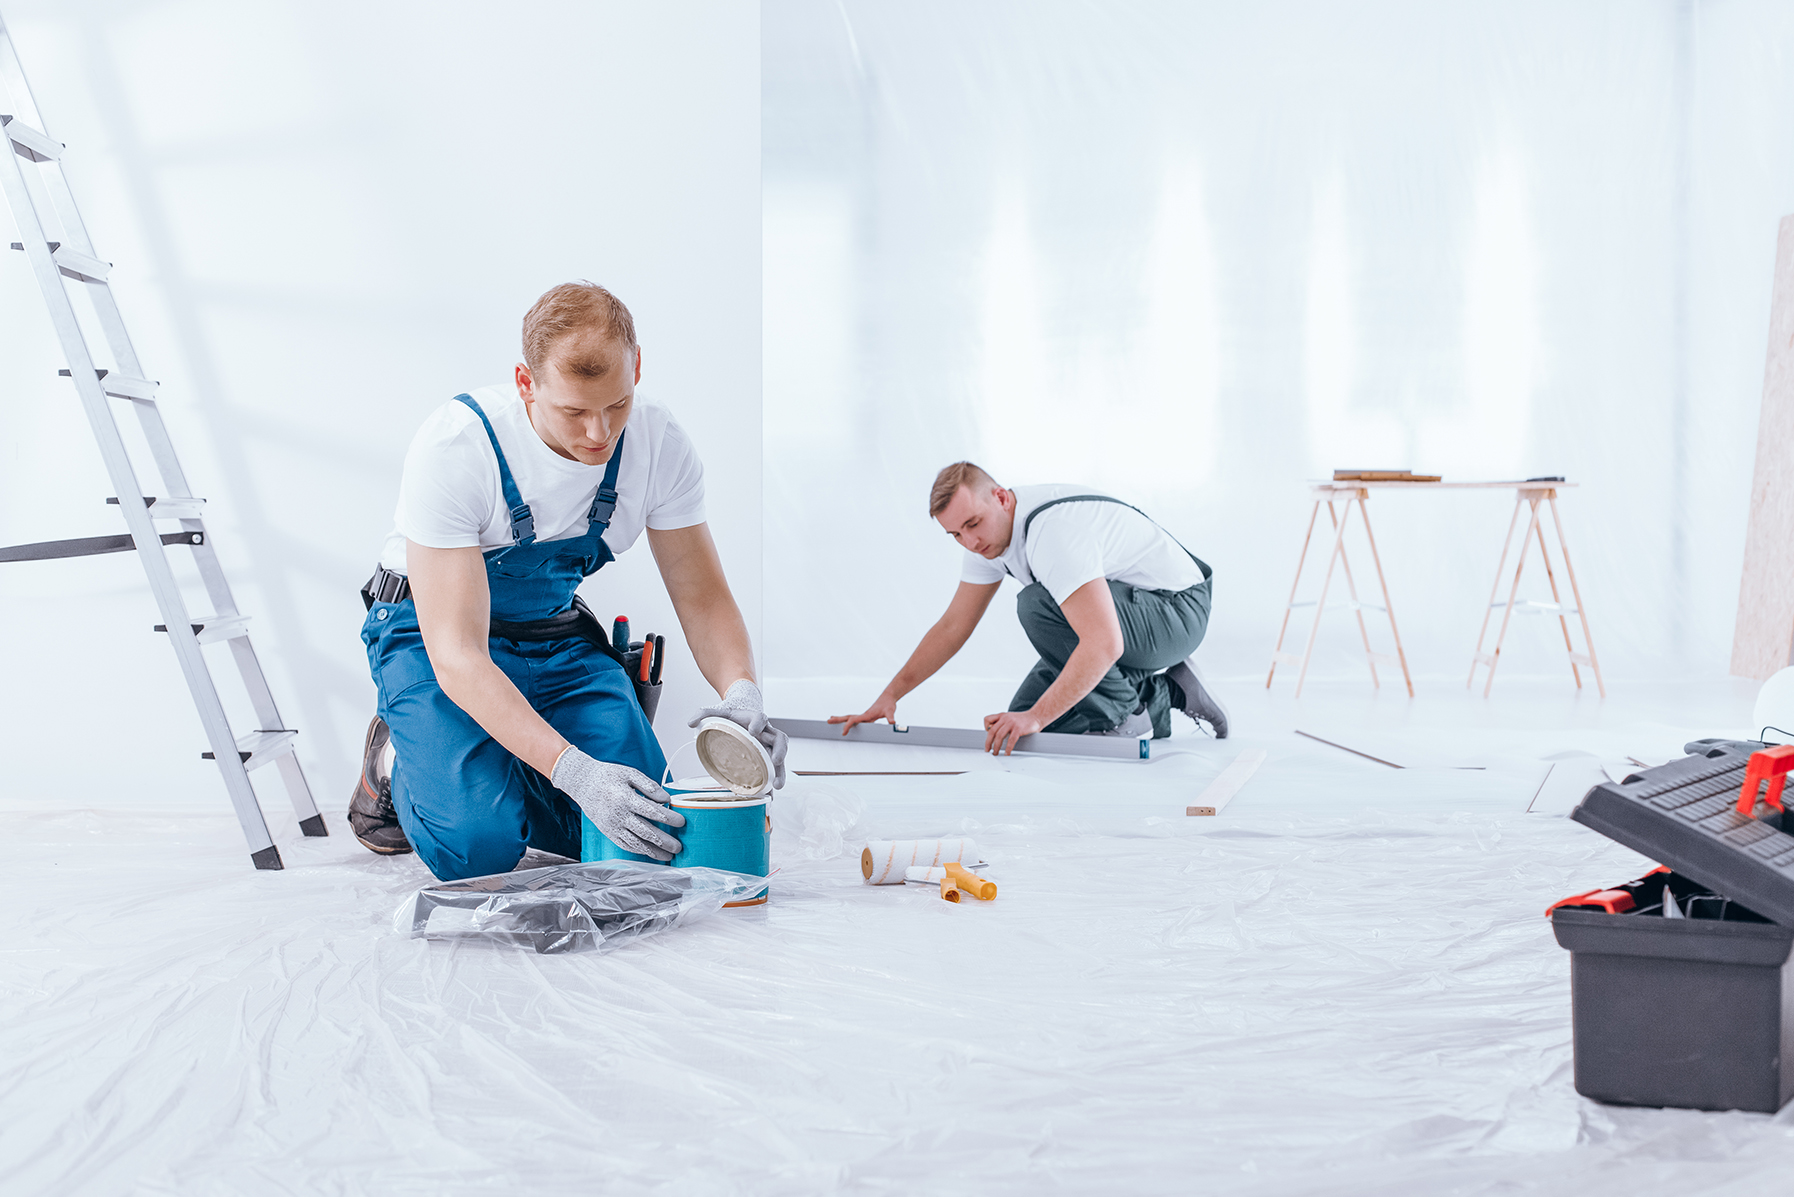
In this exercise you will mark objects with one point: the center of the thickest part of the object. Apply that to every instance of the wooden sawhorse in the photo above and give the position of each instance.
(1348, 494)
(1534, 494)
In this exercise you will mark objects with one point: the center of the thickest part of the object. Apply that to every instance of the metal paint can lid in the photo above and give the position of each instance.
(734, 758)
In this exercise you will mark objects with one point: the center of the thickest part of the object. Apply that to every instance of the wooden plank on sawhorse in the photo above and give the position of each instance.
(1040, 743)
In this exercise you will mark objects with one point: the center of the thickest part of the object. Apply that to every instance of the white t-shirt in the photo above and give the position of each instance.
(451, 498)
(1075, 543)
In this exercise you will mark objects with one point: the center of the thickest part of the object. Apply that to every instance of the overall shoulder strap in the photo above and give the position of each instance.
(604, 503)
(523, 524)
(1202, 565)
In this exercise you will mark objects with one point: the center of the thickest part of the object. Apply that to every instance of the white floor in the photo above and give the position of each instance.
(1343, 984)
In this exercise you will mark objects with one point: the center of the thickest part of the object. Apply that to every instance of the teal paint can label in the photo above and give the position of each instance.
(722, 831)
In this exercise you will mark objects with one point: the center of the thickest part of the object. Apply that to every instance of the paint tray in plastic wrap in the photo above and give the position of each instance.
(593, 906)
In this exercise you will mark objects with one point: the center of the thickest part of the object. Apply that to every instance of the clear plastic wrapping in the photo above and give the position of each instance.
(594, 906)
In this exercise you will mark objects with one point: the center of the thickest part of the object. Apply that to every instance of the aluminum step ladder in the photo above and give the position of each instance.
(55, 243)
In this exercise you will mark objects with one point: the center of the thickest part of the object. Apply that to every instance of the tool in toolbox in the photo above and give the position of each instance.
(54, 240)
(1616, 900)
(1710, 931)
(1694, 815)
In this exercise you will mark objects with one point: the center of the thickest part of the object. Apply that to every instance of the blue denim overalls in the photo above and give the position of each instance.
(466, 804)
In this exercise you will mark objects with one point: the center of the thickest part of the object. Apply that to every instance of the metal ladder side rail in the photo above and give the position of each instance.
(161, 445)
(234, 756)
(136, 514)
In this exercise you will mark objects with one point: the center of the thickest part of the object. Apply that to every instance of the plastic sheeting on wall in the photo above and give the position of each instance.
(1197, 253)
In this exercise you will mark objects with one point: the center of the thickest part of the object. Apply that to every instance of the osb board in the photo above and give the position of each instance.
(1764, 638)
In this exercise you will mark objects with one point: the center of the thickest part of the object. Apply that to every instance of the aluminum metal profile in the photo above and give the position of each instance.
(1039, 744)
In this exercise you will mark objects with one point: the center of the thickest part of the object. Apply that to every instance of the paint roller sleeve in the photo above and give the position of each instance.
(883, 862)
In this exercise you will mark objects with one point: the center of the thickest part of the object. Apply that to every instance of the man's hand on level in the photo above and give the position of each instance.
(885, 708)
(1001, 732)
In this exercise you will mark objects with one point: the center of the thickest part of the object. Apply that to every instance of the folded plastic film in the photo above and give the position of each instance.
(594, 906)
(884, 862)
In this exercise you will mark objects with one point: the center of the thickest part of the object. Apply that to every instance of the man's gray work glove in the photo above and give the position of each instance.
(743, 705)
(624, 803)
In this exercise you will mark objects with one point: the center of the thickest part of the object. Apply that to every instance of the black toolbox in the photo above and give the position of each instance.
(1681, 989)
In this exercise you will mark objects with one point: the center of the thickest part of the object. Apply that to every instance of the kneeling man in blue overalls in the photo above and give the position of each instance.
(504, 712)
(1113, 603)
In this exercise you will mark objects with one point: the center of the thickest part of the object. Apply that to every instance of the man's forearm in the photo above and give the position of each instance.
(718, 638)
(938, 645)
(480, 688)
(1083, 670)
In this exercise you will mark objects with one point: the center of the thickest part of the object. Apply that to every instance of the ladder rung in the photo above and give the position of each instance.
(122, 386)
(1286, 658)
(1582, 659)
(259, 748)
(81, 266)
(1484, 659)
(1341, 605)
(1382, 659)
(209, 629)
(76, 265)
(187, 507)
(34, 142)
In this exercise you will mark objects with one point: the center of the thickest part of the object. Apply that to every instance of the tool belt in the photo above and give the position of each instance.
(577, 622)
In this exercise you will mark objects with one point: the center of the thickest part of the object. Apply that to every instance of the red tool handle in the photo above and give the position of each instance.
(1613, 901)
(1769, 765)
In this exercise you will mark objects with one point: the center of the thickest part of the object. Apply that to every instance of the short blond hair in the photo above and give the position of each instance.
(568, 309)
(948, 482)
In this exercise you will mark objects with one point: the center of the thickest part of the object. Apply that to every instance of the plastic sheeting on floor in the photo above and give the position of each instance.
(1344, 984)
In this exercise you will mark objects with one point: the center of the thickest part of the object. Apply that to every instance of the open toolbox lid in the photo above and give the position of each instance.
(1684, 814)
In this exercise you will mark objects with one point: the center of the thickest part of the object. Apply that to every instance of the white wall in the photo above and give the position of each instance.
(327, 219)
(1199, 252)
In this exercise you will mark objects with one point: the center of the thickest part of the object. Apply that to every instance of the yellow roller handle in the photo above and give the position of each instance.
(969, 881)
(948, 890)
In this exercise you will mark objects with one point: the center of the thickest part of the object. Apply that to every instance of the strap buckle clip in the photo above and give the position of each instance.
(523, 524)
(604, 506)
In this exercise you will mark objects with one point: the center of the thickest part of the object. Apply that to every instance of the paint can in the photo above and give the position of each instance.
(723, 830)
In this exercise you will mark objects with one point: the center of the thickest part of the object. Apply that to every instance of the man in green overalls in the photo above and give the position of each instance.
(1113, 604)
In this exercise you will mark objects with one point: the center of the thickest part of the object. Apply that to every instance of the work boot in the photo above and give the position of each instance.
(1135, 727)
(1191, 697)
(371, 815)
